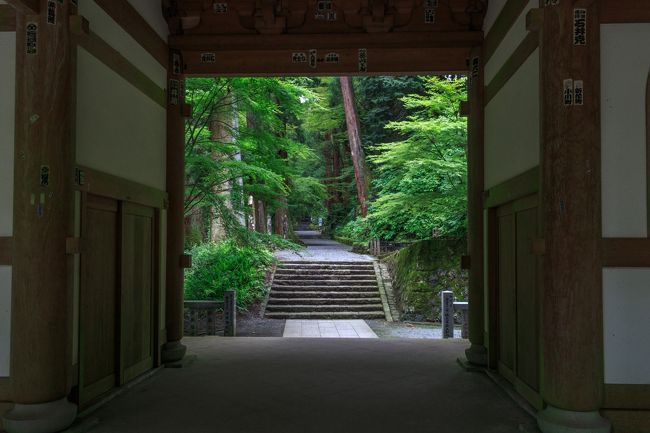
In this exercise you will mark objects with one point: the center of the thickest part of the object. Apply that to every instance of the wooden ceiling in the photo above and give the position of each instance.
(324, 37)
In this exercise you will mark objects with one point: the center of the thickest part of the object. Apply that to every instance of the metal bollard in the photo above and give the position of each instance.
(230, 313)
(447, 313)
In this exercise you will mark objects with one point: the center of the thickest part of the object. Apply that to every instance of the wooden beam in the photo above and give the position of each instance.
(625, 11)
(43, 213)
(619, 396)
(477, 353)
(512, 65)
(505, 21)
(107, 185)
(26, 7)
(409, 61)
(6, 250)
(326, 42)
(626, 252)
(512, 189)
(112, 58)
(7, 19)
(135, 25)
(571, 300)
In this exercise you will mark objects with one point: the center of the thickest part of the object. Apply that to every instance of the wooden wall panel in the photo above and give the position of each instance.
(527, 299)
(507, 292)
(98, 298)
(137, 290)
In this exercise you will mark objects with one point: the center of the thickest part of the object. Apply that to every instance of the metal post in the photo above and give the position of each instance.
(447, 313)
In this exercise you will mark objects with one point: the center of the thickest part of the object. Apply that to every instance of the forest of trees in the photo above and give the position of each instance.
(370, 157)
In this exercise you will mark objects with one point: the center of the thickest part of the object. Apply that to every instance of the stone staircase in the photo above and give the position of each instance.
(325, 290)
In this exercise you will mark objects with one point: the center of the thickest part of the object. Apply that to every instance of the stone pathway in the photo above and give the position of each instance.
(328, 329)
(319, 249)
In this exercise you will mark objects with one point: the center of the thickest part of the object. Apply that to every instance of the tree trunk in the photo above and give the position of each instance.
(355, 143)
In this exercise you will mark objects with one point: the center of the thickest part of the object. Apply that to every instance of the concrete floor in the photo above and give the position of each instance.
(286, 385)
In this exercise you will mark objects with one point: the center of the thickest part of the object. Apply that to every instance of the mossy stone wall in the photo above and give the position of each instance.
(424, 269)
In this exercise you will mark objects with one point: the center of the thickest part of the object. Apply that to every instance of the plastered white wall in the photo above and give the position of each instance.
(626, 300)
(7, 116)
(494, 9)
(104, 26)
(120, 130)
(151, 11)
(511, 41)
(625, 60)
(512, 126)
(5, 320)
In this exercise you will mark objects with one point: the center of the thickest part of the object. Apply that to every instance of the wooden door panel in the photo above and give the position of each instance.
(98, 298)
(507, 294)
(137, 290)
(527, 300)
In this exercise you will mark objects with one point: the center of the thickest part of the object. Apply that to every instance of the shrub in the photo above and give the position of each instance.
(227, 266)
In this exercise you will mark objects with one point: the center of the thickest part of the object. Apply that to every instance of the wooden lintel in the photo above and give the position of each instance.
(512, 65)
(626, 252)
(379, 61)
(7, 19)
(27, 7)
(328, 42)
(6, 250)
(79, 25)
(108, 185)
(504, 22)
(463, 108)
(620, 396)
(135, 25)
(519, 186)
(534, 19)
(112, 58)
(625, 11)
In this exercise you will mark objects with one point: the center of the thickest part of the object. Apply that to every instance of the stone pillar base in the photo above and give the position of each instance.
(554, 420)
(173, 351)
(477, 355)
(40, 418)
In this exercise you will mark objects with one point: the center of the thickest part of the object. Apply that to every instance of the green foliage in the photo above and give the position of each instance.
(423, 270)
(420, 181)
(227, 266)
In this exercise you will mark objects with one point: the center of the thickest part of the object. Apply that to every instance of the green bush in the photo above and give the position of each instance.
(227, 266)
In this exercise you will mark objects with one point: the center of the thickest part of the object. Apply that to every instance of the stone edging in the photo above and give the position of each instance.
(386, 291)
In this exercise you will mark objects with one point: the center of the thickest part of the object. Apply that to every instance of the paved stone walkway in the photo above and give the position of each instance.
(291, 385)
(328, 329)
(321, 249)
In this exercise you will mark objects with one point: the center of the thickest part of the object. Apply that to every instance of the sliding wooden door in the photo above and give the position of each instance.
(98, 298)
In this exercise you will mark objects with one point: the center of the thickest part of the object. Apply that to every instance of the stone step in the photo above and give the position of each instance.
(322, 282)
(323, 308)
(342, 315)
(323, 294)
(315, 288)
(307, 272)
(324, 267)
(314, 277)
(324, 262)
(324, 301)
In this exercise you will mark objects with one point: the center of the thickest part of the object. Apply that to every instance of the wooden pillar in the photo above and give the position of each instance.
(43, 217)
(572, 323)
(173, 350)
(477, 353)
